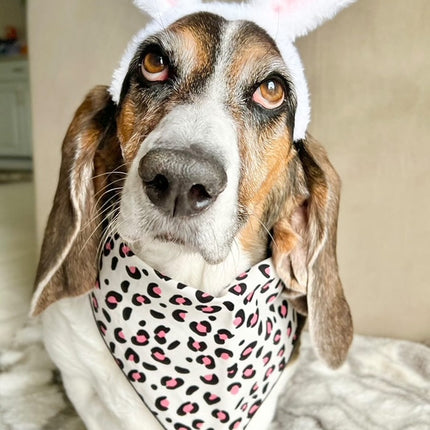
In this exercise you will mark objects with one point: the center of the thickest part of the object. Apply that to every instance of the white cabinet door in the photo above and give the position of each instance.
(15, 126)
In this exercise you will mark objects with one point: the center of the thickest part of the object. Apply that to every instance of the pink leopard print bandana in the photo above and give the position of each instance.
(196, 361)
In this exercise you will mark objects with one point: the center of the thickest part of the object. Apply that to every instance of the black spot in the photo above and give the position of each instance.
(136, 376)
(157, 315)
(162, 403)
(114, 263)
(191, 390)
(229, 305)
(126, 313)
(141, 338)
(112, 299)
(173, 345)
(210, 398)
(124, 286)
(182, 370)
(132, 355)
(133, 272)
(211, 379)
(106, 315)
(119, 335)
(203, 297)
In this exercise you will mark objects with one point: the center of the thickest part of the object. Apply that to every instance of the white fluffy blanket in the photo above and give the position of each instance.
(385, 384)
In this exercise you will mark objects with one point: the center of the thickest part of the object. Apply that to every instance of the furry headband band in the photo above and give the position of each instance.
(283, 20)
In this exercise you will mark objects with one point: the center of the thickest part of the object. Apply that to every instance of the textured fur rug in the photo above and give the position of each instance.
(385, 384)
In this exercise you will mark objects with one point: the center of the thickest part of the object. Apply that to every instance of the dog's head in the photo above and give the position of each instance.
(199, 149)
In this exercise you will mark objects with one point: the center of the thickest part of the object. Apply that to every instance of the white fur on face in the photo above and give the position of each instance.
(210, 236)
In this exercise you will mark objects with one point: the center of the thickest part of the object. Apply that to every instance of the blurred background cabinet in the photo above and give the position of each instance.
(15, 119)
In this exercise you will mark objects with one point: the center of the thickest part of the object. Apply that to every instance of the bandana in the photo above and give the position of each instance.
(195, 360)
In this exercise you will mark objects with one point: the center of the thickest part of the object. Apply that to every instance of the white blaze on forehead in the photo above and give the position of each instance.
(287, 49)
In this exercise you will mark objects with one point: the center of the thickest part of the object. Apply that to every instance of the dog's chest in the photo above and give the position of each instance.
(196, 361)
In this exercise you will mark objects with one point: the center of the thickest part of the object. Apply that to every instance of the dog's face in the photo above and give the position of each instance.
(198, 153)
(205, 124)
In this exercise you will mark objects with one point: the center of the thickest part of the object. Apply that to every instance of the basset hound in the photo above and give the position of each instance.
(192, 232)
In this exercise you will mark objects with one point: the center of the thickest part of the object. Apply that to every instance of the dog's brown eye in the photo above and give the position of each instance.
(270, 94)
(155, 67)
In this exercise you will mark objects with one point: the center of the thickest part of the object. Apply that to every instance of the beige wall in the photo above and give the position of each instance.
(368, 75)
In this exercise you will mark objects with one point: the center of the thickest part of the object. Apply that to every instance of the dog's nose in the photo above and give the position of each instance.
(181, 182)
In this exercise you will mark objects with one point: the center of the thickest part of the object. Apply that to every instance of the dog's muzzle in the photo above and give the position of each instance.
(181, 182)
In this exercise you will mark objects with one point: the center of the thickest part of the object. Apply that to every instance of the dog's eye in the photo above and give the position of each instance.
(270, 94)
(155, 67)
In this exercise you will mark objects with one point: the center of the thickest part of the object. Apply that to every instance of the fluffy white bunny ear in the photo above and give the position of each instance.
(158, 8)
(295, 18)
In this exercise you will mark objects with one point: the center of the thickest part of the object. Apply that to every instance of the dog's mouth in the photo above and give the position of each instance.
(167, 238)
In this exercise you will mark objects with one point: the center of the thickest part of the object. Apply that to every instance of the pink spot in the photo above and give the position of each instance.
(267, 271)
(235, 389)
(165, 403)
(180, 300)
(247, 351)
(254, 320)
(289, 331)
(140, 299)
(204, 295)
(199, 425)
(223, 336)
(225, 356)
(132, 269)
(141, 339)
(159, 356)
(207, 361)
(196, 345)
(125, 249)
(208, 309)
(222, 416)
(113, 300)
(208, 377)
(254, 388)
(242, 275)
(161, 334)
(172, 383)
(272, 299)
(188, 408)
(269, 327)
(121, 335)
(248, 372)
(213, 397)
(244, 406)
(98, 285)
(183, 315)
(237, 288)
(136, 376)
(277, 338)
(250, 296)
(108, 246)
(236, 425)
(253, 409)
(201, 328)
(269, 372)
(284, 311)
(95, 302)
(237, 321)
(131, 357)
(266, 360)
(157, 290)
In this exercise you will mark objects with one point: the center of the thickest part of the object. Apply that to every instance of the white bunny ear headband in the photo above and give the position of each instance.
(283, 20)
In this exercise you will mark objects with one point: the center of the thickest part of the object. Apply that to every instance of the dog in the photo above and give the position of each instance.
(199, 170)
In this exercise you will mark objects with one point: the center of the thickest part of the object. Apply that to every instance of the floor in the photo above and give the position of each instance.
(17, 255)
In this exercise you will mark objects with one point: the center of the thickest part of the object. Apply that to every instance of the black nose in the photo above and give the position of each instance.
(181, 182)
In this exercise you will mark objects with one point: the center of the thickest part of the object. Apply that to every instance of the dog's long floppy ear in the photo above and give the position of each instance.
(305, 252)
(68, 265)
